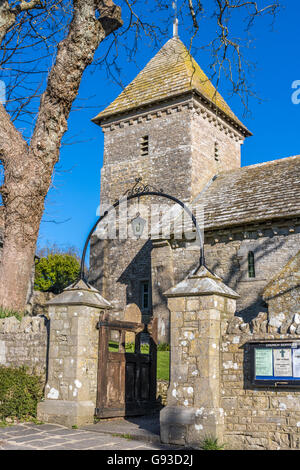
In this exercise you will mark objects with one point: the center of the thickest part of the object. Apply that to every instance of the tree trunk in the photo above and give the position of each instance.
(23, 198)
(16, 269)
(28, 168)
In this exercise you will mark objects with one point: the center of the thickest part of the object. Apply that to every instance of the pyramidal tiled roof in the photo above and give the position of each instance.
(171, 72)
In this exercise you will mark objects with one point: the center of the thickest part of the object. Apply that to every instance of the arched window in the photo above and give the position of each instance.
(251, 264)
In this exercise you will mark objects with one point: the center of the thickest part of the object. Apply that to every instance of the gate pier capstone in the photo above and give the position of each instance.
(70, 393)
(200, 306)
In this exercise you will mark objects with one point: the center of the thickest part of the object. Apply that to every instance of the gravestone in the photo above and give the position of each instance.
(132, 313)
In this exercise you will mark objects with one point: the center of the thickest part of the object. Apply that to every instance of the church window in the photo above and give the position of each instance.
(145, 295)
(144, 145)
(251, 264)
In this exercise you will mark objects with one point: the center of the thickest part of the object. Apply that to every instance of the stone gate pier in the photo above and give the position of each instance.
(200, 305)
(70, 393)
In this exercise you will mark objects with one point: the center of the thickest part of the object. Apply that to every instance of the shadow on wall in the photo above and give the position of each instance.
(164, 284)
(237, 280)
(139, 268)
(105, 269)
(97, 272)
(233, 278)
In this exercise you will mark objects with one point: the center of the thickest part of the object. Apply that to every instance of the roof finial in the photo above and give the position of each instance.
(175, 22)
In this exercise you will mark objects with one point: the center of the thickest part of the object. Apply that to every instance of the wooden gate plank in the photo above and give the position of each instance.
(126, 381)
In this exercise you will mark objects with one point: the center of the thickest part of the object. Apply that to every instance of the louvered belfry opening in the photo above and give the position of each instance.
(144, 145)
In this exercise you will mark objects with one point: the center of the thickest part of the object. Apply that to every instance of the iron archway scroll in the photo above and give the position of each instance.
(137, 191)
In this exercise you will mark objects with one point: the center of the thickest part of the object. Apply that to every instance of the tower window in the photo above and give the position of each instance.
(144, 145)
(251, 264)
(145, 295)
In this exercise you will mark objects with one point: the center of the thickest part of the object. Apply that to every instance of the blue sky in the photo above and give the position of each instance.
(275, 123)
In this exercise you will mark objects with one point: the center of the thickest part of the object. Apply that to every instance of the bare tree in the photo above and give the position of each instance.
(228, 40)
(71, 31)
(28, 167)
(228, 50)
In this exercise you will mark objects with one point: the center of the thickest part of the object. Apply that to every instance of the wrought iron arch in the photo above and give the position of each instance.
(139, 190)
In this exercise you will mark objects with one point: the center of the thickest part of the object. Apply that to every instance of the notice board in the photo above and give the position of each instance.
(275, 363)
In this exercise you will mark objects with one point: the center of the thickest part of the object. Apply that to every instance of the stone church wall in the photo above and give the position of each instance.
(118, 266)
(182, 158)
(168, 163)
(117, 270)
(214, 149)
(227, 256)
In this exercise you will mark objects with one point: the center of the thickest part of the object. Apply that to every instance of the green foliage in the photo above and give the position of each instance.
(211, 443)
(5, 313)
(163, 347)
(20, 393)
(55, 272)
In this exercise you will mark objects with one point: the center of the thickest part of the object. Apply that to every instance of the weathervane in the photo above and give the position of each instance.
(175, 22)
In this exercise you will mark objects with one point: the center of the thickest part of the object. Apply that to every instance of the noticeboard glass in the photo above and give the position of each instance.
(276, 363)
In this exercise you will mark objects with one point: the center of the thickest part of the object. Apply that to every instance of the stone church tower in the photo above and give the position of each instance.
(173, 129)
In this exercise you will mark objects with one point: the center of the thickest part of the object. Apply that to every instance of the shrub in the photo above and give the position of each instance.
(20, 393)
(56, 272)
(5, 313)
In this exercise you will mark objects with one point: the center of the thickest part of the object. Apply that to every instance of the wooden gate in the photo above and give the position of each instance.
(126, 380)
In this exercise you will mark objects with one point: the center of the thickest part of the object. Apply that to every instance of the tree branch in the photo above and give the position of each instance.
(8, 15)
(10, 138)
(74, 54)
(25, 6)
(7, 19)
(227, 50)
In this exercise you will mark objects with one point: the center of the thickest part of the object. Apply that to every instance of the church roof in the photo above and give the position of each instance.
(255, 193)
(171, 72)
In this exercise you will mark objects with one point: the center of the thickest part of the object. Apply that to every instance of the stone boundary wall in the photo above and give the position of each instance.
(25, 343)
(37, 304)
(255, 417)
(162, 391)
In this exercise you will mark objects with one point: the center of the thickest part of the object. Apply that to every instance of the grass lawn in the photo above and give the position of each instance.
(163, 358)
